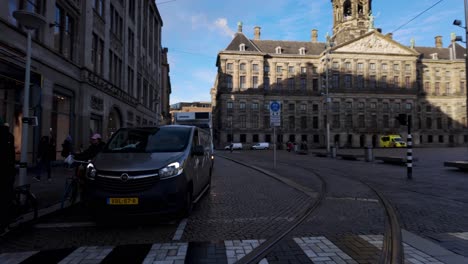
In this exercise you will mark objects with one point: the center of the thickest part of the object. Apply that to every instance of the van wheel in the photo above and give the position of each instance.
(188, 204)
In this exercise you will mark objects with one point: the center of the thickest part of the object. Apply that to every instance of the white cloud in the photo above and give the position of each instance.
(222, 25)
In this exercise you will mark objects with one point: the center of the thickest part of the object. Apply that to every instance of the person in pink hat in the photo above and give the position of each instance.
(96, 146)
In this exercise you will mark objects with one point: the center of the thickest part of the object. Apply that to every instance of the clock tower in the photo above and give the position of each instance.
(351, 19)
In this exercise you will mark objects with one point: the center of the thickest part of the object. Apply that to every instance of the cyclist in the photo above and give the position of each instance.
(96, 146)
(7, 175)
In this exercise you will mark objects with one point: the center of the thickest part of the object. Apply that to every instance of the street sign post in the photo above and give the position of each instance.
(275, 121)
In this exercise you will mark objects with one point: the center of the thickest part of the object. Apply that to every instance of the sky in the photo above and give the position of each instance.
(195, 31)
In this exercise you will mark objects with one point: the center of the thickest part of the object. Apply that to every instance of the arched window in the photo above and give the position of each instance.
(347, 9)
(278, 50)
(242, 47)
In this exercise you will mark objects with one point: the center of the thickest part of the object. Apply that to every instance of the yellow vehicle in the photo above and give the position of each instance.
(392, 141)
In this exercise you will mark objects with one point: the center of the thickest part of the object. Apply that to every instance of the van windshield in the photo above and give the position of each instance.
(398, 139)
(149, 140)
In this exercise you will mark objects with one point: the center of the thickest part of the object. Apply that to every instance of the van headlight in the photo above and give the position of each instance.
(91, 171)
(171, 170)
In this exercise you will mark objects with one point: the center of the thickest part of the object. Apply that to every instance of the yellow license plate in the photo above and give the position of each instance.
(123, 201)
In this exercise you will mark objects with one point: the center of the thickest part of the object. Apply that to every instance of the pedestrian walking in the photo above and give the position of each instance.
(96, 146)
(46, 154)
(7, 175)
(67, 147)
(231, 147)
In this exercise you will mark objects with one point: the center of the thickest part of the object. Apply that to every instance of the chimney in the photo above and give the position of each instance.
(389, 35)
(438, 42)
(239, 27)
(314, 35)
(257, 33)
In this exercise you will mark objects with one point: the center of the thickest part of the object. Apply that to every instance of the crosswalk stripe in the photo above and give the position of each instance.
(412, 255)
(237, 249)
(15, 258)
(169, 252)
(321, 250)
(96, 254)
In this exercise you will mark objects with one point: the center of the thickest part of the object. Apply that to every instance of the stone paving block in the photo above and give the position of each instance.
(320, 249)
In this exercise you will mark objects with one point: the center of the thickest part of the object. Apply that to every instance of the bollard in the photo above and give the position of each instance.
(333, 152)
(368, 153)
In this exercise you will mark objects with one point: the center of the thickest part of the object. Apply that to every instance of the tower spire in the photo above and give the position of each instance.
(351, 19)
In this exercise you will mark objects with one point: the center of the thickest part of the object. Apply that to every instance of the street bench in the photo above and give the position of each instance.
(320, 154)
(349, 156)
(394, 160)
(462, 165)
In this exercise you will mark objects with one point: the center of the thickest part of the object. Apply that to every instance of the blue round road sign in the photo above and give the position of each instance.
(275, 106)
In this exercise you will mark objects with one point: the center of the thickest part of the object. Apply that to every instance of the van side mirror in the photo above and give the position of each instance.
(198, 150)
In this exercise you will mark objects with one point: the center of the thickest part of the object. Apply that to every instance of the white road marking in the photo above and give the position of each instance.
(167, 253)
(237, 249)
(15, 258)
(180, 230)
(65, 225)
(463, 235)
(321, 250)
(87, 254)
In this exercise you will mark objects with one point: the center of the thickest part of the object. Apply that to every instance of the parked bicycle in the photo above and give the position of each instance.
(24, 202)
(74, 183)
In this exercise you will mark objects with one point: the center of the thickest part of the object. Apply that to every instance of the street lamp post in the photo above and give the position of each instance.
(458, 38)
(30, 21)
(329, 45)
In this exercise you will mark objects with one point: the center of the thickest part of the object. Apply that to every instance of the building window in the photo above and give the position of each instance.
(229, 66)
(428, 123)
(255, 122)
(303, 107)
(315, 122)
(229, 82)
(336, 121)
(462, 87)
(439, 123)
(385, 106)
(428, 109)
(291, 83)
(396, 81)
(360, 66)
(448, 91)
(396, 67)
(95, 124)
(243, 122)
(407, 82)
(131, 10)
(374, 120)
(372, 66)
(303, 70)
(361, 105)
(255, 82)
(336, 81)
(291, 69)
(131, 42)
(409, 106)
(427, 87)
(437, 88)
(242, 47)
(130, 79)
(266, 68)
(242, 105)
(64, 32)
(97, 54)
(396, 107)
(348, 65)
(360, 82)
(98, 6)
(278, 50)
(372, 81)
(335, 65)
(255, 106)
(349, 121)
(255, 67)
(302, 51)
(303, 122)
(291, 107)
(242, 67)
(292, 122)
(242, 82)
(383, 82)
(279, 69)
(279, 84)
(266, 121)
(385, 121)
(116, 23)
(384, 67)
(348, 80)
(315, 108)
(303, 84)
(373, 105)
(229, 105)
(361, 121)
(441, 139)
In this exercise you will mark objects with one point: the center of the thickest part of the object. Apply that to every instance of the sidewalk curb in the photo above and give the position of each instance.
(29, 217)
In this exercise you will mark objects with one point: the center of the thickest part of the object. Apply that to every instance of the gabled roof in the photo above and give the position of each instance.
(442, 53)
(238, 39)
(289, 47)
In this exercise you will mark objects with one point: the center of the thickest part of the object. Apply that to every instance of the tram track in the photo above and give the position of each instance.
(392, 250)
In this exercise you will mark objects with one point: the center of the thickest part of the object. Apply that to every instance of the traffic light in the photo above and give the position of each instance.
(402, 118)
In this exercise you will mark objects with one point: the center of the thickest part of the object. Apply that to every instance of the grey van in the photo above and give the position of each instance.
(150, 171)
